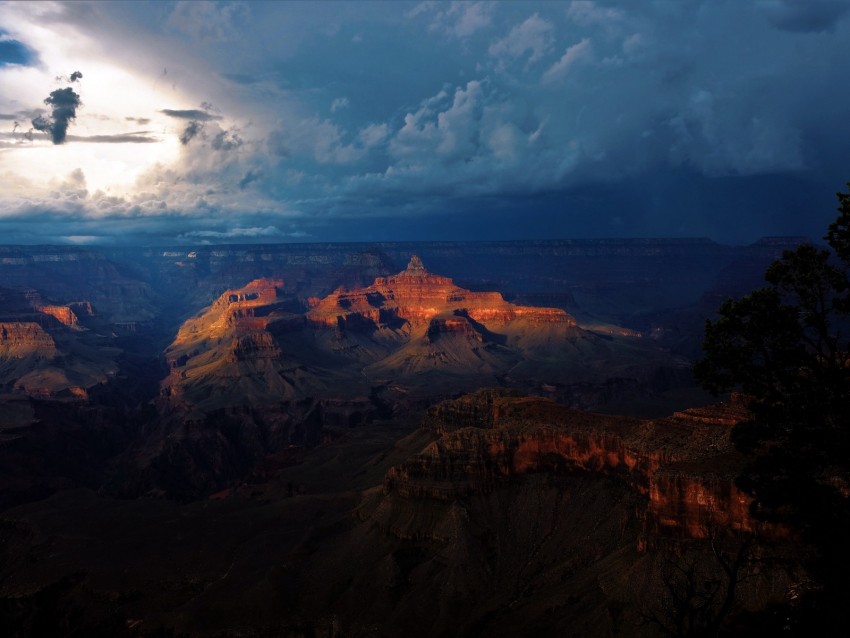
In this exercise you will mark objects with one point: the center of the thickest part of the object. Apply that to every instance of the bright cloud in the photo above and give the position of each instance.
(533, 37)
(573, 55)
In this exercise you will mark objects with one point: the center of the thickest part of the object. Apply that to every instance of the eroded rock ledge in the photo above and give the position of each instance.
(683, 466)
(418, 297)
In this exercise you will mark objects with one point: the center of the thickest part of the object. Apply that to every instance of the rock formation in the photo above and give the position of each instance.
(45, 351)
(419, 298)
(415, 333)
(682, 466)
(251, 362)
(63, 314)
(504, 515)
(25, 339)
(227, 355)
(235, 311)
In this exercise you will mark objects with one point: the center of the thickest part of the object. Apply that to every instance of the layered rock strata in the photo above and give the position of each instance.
(21, 339)
(211, 348)
(63, 314)
(683, 466)
(423, 299)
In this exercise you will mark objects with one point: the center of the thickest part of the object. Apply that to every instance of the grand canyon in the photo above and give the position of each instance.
(338, 439)
(424, 318)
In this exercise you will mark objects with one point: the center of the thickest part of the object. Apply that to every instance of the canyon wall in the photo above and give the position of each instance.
(23, 339)
(683, 467)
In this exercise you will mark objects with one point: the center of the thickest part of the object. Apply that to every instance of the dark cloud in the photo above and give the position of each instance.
(251, 176)
(141, 121)
(222, 140)
(192, 130)
(127, 138)
(190, 114)
(496, 120)
(226, 140)
(8, 116)
(809, 16)
(65, 103)
(70, 79)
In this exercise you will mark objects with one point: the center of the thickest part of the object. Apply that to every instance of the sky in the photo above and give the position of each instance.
(155, 123)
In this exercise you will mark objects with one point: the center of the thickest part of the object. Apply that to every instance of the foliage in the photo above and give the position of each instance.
(786, 348)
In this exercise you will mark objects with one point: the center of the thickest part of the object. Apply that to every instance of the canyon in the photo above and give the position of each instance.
(684, 464)
(251, 364)
(500, 435)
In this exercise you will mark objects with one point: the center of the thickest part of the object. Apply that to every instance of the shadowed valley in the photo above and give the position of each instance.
(292, 440)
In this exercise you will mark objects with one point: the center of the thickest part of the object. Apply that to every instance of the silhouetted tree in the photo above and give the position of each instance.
(699, 592)
(786, 347)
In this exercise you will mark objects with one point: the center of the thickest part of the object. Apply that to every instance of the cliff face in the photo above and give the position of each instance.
(70, 273)
(405, 341)
(24, 339)
(228, 354)
(28, 306)
(45, 349)
(415, 330)
(683, 467)
(692, 503)
(235, 392)
(426, 333)
(234, 313)
(63, 314)
(415, 296)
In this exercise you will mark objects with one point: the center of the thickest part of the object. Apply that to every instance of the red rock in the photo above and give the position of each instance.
(22, 339)
(63, 314)
(233, 314)
(684, 466)
(416, 296)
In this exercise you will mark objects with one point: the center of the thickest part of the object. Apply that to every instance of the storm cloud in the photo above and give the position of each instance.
(65, 103)
(456, 120)
(126, 138)
(192, 130)
(191, 114)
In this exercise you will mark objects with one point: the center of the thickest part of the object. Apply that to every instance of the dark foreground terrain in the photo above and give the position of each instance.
(290, 440)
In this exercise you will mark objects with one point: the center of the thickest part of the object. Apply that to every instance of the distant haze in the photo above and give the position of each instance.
(218, 122)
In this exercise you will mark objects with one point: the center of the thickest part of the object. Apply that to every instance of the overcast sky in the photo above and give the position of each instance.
(195, 122)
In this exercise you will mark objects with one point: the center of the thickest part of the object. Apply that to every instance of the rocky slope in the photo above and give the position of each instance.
(250, 364)
(523, 516)
(75, 274)
(22, 339)
(241, 385)
(416, 296)
(48, 350)
(683, 466)
(545, 536)
(214, 349)
(504, 515)
(414, 330)
(423, 331)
